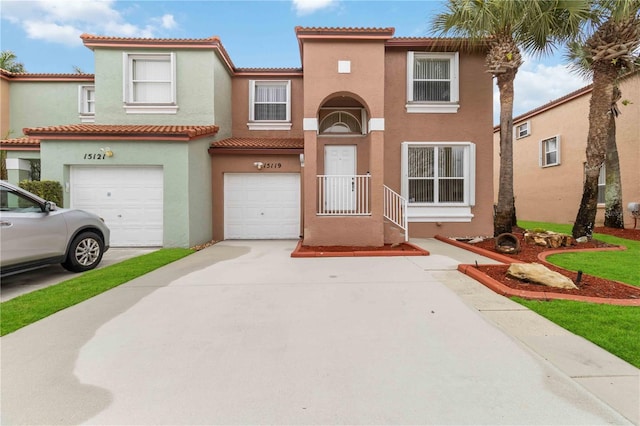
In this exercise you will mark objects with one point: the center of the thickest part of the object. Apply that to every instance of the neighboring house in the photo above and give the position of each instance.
(549, 145)
(185, 147)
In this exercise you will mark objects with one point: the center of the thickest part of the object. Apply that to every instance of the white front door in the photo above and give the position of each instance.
(340, 168)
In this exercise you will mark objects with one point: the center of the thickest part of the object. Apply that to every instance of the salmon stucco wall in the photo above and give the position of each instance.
(240, 107)
(242, 163)
(472, 123)
(365, 83)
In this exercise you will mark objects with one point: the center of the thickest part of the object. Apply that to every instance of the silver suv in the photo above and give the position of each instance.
(35, 232)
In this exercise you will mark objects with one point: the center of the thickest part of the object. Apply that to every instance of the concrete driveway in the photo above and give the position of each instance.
(241, 333)
(25, 282)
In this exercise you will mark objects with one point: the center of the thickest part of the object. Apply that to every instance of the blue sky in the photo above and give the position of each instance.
(45, 34)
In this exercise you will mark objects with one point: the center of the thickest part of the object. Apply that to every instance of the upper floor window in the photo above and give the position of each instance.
(269, 105)
(439, 180)
(432, 82)
(523, 130)
(87, 103)
(150, 83)
(550, 151)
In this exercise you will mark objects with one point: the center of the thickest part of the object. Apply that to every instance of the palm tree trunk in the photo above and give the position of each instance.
(613, 211)
(599, 110)
(505, 209)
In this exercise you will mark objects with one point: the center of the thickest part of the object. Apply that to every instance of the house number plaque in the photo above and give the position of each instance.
(95, 156)
(272, 165)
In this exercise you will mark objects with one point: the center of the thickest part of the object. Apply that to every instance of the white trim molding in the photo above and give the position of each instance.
(376, 124)
(310, 124)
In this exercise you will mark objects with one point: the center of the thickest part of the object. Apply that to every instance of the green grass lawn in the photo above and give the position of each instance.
(615, 265)
(31, 307)
(614, 328)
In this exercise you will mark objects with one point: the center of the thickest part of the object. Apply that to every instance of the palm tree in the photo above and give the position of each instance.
(581, 62)
(506, 26)
(8, 62)
(610, 47)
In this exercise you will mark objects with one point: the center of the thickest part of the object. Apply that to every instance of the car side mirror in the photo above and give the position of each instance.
(49, 206)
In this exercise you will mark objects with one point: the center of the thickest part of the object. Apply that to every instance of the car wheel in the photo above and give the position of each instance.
(85, 252)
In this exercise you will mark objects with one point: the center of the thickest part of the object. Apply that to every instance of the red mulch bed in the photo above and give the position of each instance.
(588, 286)
(402, 249)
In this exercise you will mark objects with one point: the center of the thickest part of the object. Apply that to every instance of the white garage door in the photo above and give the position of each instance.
(129, 199)
(261, 206)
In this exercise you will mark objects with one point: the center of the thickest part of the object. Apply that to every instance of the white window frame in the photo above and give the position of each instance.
(84, 101)
(131, 107)
(254, 124)
(523, 130)
(436, 211)
(422, 107)
(602, 185)
(542, 157)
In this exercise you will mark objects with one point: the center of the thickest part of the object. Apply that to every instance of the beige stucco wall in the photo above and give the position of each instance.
(552, 194)
(4, 108)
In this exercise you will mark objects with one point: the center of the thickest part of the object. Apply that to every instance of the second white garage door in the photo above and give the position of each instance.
(129, 199)
(261, 206)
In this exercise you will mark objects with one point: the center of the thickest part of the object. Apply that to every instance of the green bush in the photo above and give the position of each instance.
(48, 189)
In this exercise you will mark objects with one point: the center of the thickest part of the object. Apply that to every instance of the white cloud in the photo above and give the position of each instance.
(537, 84)
(307, 7)
(63, 21)
(168, 22)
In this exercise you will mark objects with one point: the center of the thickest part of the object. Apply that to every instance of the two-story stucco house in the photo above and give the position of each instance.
(373, 140)
(549, 145)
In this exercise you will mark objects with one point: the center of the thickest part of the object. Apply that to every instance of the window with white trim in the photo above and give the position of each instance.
(439, 180)
(269, 105)
(602, 184)
(150, 83)
(523, 130)
(432, 82)
(87, 103)
(550, 151)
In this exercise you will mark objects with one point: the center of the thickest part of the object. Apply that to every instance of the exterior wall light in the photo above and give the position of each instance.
(107, 151)
(258, 164)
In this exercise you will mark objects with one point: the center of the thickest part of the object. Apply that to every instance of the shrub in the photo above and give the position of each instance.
(48, 189)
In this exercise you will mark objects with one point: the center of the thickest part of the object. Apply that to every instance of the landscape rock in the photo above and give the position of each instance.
(539, 274)
(548, 239)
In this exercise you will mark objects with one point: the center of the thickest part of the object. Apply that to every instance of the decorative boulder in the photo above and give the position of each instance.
(548, 239)
(539, 274)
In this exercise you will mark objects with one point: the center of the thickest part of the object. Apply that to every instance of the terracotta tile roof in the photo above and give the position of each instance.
(260, 143)
(46, 76)
(269, 71)
(345, 31)
(100, 38)
(20, 143)
(213, 42)
(149, 132)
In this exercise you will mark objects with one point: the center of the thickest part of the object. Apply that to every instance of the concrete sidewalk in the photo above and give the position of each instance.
(241, 333)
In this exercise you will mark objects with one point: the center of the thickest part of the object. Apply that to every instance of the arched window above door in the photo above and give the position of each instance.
(340, 122)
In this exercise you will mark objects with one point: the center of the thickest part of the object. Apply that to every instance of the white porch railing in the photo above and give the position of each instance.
(343, 195)
(395, 210)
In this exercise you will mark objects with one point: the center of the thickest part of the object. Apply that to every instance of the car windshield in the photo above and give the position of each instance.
(11, 201)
